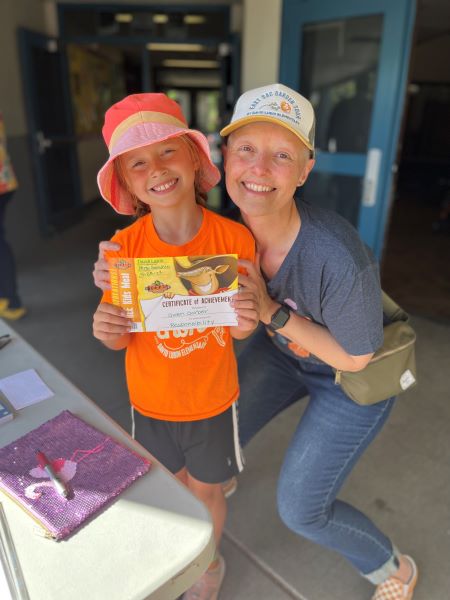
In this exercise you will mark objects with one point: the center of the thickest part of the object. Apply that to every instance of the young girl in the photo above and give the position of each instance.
(183, 402)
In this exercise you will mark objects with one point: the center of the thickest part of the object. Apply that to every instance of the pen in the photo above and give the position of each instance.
(58, 484)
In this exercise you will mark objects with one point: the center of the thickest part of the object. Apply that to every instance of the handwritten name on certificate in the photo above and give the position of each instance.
(183, 292)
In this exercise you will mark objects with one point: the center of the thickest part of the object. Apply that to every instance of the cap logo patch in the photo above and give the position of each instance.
(277, 102)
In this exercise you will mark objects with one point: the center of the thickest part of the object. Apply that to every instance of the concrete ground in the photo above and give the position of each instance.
(402, 482)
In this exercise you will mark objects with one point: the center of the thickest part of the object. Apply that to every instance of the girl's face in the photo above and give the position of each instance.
(161, 174)
(264, 163)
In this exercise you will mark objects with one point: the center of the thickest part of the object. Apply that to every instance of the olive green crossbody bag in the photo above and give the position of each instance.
(392, 369)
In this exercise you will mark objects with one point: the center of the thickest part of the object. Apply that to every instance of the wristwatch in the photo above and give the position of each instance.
(279, 318)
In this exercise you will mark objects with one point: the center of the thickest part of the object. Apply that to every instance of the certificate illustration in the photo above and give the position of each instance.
(182, 292)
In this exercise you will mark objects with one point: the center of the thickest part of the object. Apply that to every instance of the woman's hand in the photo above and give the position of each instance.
(246, 306)
(267, 306)
(100, 273)
(111, 326)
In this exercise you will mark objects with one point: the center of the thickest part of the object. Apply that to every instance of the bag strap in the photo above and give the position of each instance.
(392, 310)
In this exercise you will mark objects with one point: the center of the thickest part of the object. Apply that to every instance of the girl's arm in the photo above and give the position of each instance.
(111, 326)
(100, 273)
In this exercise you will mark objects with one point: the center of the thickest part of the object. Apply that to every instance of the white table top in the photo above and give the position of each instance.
(153, 542)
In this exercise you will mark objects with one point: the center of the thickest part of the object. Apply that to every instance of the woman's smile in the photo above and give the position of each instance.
(257, 187)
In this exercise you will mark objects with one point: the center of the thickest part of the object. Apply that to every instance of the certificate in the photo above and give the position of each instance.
(181, 292)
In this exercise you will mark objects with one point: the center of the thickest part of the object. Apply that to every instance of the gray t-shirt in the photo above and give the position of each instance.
(332, 278)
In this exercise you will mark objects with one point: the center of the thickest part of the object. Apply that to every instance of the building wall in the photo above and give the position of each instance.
(260, 42)
(15, 13)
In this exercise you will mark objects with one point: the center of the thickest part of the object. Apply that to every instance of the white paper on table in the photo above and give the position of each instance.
(24, 388)
(196, 312)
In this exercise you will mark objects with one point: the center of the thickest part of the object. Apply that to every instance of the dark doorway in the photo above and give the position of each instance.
(416, 260)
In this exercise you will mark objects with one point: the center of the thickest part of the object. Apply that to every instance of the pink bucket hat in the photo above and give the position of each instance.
(139, 120)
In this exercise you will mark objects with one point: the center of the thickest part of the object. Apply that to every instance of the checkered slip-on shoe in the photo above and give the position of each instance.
(394, 589)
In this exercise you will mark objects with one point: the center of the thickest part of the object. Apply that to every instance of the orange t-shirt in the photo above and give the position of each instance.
(188, 374)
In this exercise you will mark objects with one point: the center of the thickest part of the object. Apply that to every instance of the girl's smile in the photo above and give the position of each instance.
(165, 187)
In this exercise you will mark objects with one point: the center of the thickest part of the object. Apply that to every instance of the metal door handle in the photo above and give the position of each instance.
(42, 142)
(370, 184)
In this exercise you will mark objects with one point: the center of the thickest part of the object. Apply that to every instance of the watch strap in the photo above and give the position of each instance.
(279, 318)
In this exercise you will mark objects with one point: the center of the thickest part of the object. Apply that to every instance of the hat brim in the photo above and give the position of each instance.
(264, 119)
(109, 185)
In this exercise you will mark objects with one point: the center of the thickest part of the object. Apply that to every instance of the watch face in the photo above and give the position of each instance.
(280, 318)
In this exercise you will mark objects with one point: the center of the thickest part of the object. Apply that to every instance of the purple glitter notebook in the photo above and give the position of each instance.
(94, 467)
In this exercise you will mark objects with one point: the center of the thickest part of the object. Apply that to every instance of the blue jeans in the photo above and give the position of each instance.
(8, 283)
(332, 434)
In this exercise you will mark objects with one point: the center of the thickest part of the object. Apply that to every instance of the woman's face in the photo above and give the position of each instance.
(264, 164)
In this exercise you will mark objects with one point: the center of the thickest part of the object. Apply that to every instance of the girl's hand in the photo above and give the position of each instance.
(111, 325)
(101, 268)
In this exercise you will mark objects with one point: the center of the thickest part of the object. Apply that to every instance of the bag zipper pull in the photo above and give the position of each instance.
(337, 378)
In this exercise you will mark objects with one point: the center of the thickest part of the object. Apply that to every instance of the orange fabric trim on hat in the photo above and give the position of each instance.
(143, 117)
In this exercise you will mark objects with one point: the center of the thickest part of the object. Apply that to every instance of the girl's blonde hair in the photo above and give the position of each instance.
(140, 207)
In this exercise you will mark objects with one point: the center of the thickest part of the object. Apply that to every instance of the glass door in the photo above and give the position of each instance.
(350, 59)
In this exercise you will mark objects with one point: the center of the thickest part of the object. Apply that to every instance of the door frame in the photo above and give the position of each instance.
(389, 97)
(142, 40)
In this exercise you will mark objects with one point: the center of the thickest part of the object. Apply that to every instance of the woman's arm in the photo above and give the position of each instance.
(313, 337)
(317, 340)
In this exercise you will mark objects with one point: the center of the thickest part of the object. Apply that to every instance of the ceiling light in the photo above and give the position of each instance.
(166, 47)
(194, 19)
(160, 19)
(123, 17)
(190, 64)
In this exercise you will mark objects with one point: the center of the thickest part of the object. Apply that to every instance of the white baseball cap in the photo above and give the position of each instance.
(275, 103)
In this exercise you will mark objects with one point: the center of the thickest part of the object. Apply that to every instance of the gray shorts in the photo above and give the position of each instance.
(208, 448)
